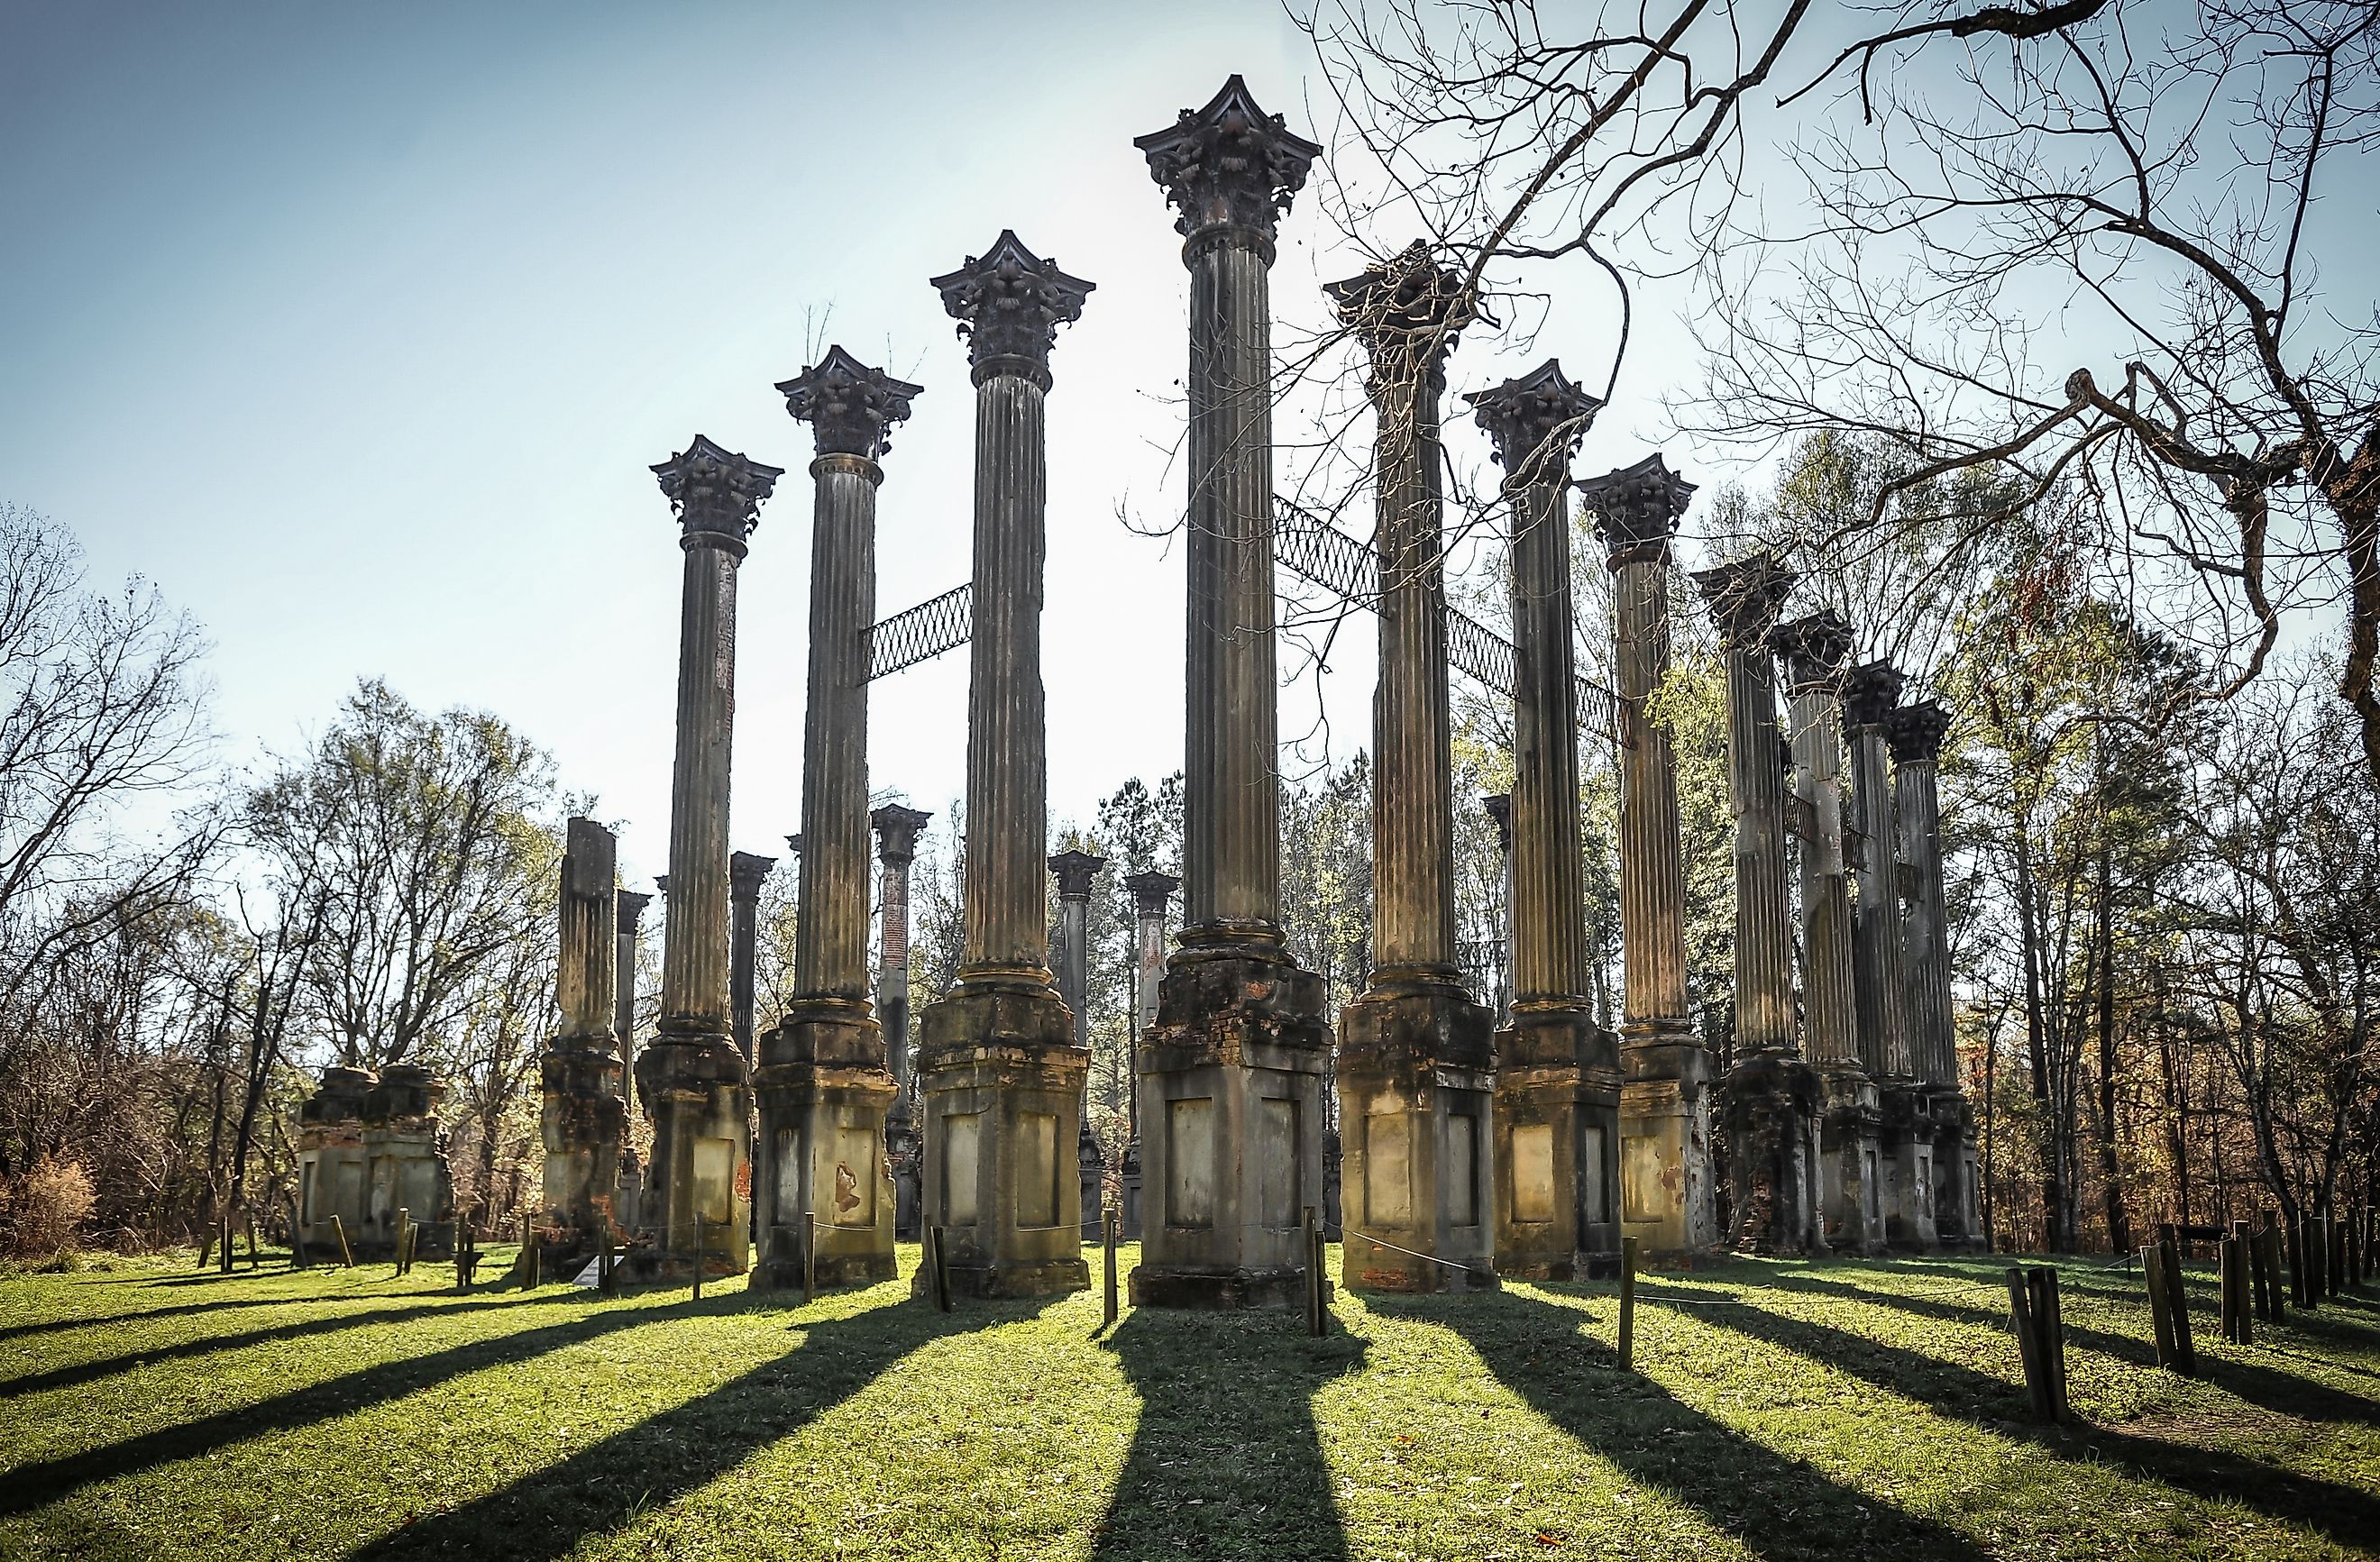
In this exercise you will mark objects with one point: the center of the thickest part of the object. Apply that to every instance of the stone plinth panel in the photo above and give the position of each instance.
(1416, 1078)
(827, 1181)
(1556, 1144)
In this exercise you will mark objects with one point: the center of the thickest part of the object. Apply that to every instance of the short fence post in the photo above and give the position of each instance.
(2334, 1271)
(2177, 1301)
(346, 1253)
(809, 1255)
(404, 1229)
(2160, 1304)
(2236, 1328)
(1308, 1227)
(1627, 1303)
(2041, 1340)
(940, 1259)
(1108, 1261)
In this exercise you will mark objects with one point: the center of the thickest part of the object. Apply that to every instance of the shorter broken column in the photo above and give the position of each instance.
(582, 1118)
(332, 1173)
(626, 1206)
(1075, 872)
(747, 871)
(1880, 983)
(896, 847)
(1916, 733)
(1150, 892)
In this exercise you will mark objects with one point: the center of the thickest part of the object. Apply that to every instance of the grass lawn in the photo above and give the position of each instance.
(1779, 1409)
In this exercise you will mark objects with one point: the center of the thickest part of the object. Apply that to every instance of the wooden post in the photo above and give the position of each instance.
(701, 1253)
(346, 1253)
(2334, 1271)
(2041, 1340)
(942, 1271)
(2177, 1301)
(404, 1229)
(2160, 1304)
(296, 1236)
(1308, 1228)
(1108, 1262)
(1317, 1264)
(2049, 1316)
(1627, 1303)
(248, 1225)
(222, 1250)
(809, 1255)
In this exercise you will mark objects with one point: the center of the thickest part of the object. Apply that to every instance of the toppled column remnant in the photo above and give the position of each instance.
(582, 1117)
(1000, 1075)
(1916, 733)
(1075, 871)
(1230, 1104)
(1558, 1076)
(1149, 893)
(826, 1200)
(1417, 1058)
(896, 848)
(1880, 983)
(367, 1146)
(691, 1080)
(1849, 1182)
(1665, 1109)
(1770, 1094)
(630, 911)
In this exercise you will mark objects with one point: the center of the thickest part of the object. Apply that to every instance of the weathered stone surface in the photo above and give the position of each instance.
(582, 1118)
(1879, 982)
(896, 847)
(1915, 732)
(369, 1146)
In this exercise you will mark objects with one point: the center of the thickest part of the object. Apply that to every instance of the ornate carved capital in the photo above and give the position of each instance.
(1150, 892)
(1870, 691)
(1814, 650)
(896, 833)
(744, 872)
(1534, 423)
(1076, 870)
(848, 405)
(1009, 303)
(1229, 165)
(1407, 311)
(716, 493)
(1745, 597)
(1499, 809)
(1916, 731)
(630, 907)
(1637, 509)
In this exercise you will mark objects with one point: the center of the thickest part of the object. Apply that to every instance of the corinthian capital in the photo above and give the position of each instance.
(1636, 508)
(1745, 596)
(848, 405)
(1009, 303)
(1407, 310)
(1534, 423)
(1870, 691)
(1813, 649)
(1229, 165)
(716, 493)
(1916, 731)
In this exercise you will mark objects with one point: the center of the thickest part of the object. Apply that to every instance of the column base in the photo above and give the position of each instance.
(1850, 1172)
(1416, 1115)
(823, 1092)
(583, 1123)
(903, 1152)
(1000, 1085)
(1906, 1139)
(1668, 1199)
(1556, 1144)
(1770, 1099)
(1230, 1110)
(698, 1198)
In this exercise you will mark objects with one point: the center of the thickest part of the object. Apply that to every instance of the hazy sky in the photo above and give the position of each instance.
(356, 329)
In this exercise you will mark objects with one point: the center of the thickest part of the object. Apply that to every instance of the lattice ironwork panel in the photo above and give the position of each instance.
(935, 625)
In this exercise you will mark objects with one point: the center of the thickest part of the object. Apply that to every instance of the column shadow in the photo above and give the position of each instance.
(1225, 1459)
(606, 1484)
(1775, 1505)
(60, 1325)
(30, 1486)
(1982, 1400)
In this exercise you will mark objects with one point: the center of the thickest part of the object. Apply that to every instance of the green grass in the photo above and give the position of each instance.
(1827, 1410)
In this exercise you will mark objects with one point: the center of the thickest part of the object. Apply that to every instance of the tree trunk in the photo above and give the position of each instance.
(2112, 1175)
(2037, 1036)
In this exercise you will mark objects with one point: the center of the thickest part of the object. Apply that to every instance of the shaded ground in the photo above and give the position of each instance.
(1778, 1411)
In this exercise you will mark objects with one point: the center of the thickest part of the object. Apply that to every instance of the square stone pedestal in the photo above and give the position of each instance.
(1771, 1103)
(1417, 1116)
(1556, 1147)
(582, 1121)
(1957, 1220)
(1669, 1197)
(1230, 1110)
(698, 1198)
(823, 1091)
(1000, 1083)
(1850, 1172)
(1906, 1139)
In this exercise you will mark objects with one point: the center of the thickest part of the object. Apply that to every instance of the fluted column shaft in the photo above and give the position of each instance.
(1755, 786)
(1830, 1013)
(1549, 886)
(896, 849)
(695, 944)
(1927, 930)
(586, 971)
(1007, 904)
(1879, 976)
(1652, 876)
(1230, 796)
(629, 909)
(831, 933)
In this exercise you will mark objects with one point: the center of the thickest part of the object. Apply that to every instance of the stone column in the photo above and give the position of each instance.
(745, 872)
(1666, 1183)
(1000, 1073)
(1416, 1057)
(825, 1198)
(1075, 871)
(692, 1079)
(1916, 733)
(1558, 1087)
(1230, 1075)
(1849, 1178)
(1149, 893)
(896, 848)
(625, 1202)
(1769, 1096)
(582, 1119)
(1878, 978)
(1499, 808)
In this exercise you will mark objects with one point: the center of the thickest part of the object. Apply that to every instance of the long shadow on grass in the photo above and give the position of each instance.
(37, 1485)
(1961, 1393)
(1775, 1505)
(607, 1484)
(107, 1366)
(58, 1325)
(1225, 1459)
(2282, 1393)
